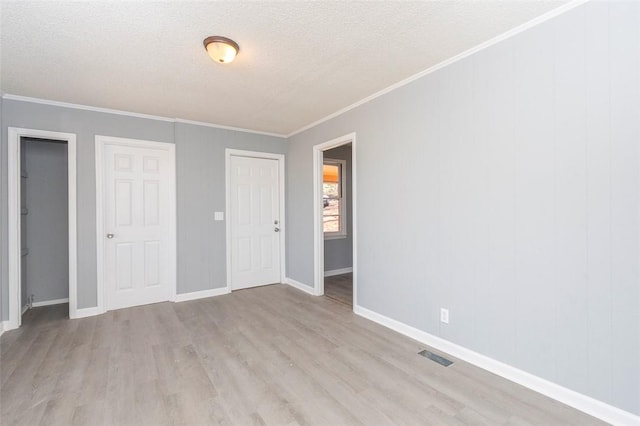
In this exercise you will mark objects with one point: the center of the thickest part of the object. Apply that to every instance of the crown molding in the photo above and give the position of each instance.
(237, 129)
(41, 101)
(506, 35)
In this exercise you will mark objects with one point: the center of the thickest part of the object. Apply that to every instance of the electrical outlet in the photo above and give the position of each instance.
(444, 315)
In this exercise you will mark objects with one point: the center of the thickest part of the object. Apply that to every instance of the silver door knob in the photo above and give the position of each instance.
(276, 229)
(110, 236)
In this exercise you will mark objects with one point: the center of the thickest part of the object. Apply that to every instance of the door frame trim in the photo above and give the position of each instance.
(100, 143)
(281, 187)
(318, 234)
(15, 136)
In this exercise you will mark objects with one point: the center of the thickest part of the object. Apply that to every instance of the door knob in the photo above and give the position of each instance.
(110, 236)
(276, 229)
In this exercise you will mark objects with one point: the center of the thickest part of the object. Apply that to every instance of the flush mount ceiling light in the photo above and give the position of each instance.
(221, 49)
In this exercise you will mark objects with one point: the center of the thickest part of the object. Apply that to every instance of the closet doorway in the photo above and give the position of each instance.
(42, 221)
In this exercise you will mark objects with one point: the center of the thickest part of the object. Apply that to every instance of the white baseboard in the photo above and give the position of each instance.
(300, 286)
(89, 312)
(86, 312)
(50, 302)
(584, 403)
(24, 309)
(8, 325)
(337, 272)
(201, 294)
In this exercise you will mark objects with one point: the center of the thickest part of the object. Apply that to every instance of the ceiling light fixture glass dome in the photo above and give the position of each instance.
(221, 49)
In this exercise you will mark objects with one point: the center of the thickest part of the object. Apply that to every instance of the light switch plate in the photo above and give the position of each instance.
(218, 216)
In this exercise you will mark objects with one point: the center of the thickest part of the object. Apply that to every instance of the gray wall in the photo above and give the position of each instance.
(195, 160)
(200, 158)
(46, 224)
(514, 202)
(85, 124)
(338, 253)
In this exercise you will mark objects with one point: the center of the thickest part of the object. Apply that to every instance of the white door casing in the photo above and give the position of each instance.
(136, 221)
(255, 210)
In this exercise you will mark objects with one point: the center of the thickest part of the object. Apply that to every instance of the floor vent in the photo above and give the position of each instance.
(437, 358)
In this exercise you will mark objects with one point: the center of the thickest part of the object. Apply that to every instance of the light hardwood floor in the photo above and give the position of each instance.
(340, 288)
(269, 355)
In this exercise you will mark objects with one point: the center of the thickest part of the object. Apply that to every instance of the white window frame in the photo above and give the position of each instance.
(343, 199)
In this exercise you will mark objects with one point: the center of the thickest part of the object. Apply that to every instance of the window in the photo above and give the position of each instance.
(334, 199)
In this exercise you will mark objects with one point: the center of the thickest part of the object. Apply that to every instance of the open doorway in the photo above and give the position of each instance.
(42, 222)
(337, 223)
(335, 220)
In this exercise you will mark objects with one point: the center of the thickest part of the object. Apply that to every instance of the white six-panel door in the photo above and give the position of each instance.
(136, 185)
(255, 223)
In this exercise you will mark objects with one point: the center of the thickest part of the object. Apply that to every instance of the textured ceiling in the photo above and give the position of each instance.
(298, 61)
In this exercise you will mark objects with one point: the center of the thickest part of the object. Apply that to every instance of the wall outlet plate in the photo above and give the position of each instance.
(444, 315)
(218, 216)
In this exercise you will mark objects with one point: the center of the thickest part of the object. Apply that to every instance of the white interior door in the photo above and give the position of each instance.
(254, 214)
(136, 203)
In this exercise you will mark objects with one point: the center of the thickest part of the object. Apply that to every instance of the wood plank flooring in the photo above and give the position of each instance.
(270, 355)
(340, 288)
